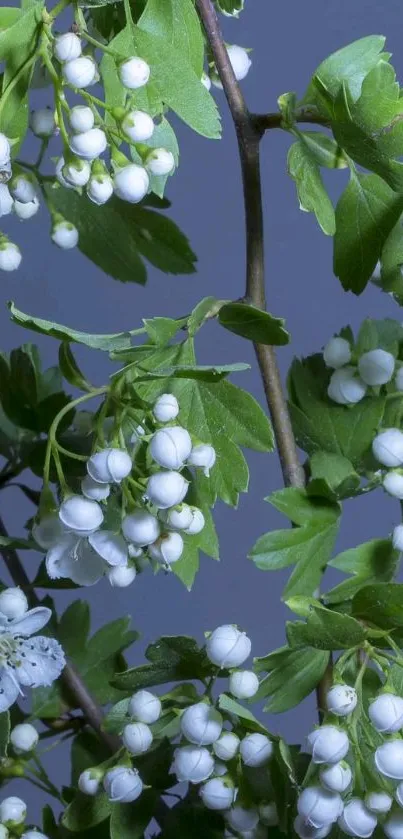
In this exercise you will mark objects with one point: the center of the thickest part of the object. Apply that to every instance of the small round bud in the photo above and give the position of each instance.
(201, 724)
(203, 456)
(242, 818)
(6, 200)
(160, 162)
(109, 546)
(376, 367)
(166, 489)
(65, 235)
(380, 802)
(180, 518)
(89, 144)
(137, 738)
(47, 531)
(141, 528)
(59, 174)
(328, 744)
(226, 747)
(121, 576)
(319, 806)
(192, 764)
(166, 408)
(89, 782)
(22, 189)
(357, 820)
(345, 387)
(256, 749)
(13, 603)
(134, 73)
(220, 769)
(206, 81)
(393, 484)
(80, 72)
(393, 827)
(81, 119)
(240, 61)
(5, 150)
(337, 353)
(171, 446)
(197, 523)
(167, 549)
(13, 811)
(131, 183)
(336, 777)
(10, 256)
(228, 647)
(341, 700)
(397, 538)
(24, 737)
(389, 759)
(95, 490)
(387, 447)
(77, 172)
(81, 515)
(109, 465)
(386, 713)
(399, 379)
(42, 122)
(306, 831)
(100, 189)
(122, 784)
(243, 684)
(216, 794)
(145, 707)
(138, 126)
(67, 46)
(26, 211)
(268, 814)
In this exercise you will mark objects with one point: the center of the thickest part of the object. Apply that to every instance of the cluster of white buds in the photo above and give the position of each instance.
(13, 813)
(387, 448)
(80, 547)
(18, 195)
(349, 381)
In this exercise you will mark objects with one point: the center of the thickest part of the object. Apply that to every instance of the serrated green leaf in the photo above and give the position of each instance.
(177, 22)
(255, 324)
(380, 604)
(161, 330)
(350, 64)
(325, 630)
(207, 308)
(292, 675)
(172, 659)
(332, 475)
(312, 195)
(116, 341)
(303, 509)
(324, 149)
(129, 821)
(86, 811)
(18, 44)
(231, 706)
(70, 369)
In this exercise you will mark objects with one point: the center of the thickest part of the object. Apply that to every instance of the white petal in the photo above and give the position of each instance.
(74, 558)
(31, 622)
(110, 546)
(42, 661)
(60, 554)
(9, 689)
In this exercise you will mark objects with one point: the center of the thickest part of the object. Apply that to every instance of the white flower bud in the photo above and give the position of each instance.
(228, 647)
(13, 603)
(4, 833)
(141, 528)
(77, 172)
(376, 367)
(10, 256)
(109, 465)
(166, 408)
(109, 546)
(131, 183)
(160, 162)
(336, 777)
(13, 811)
(393, 484)
(100, 189)
(379, 802)
(306, 831)
(192, 764)
(357, 820)
(243, 684)
(134, 73)
(256, 749)
(201, 724)
(393, 827)
(24, 738)
(80, 72)
(33, 834)
(166, 489)
(216, 795)
(399, 794)
(122, 784)
(204, 456)
(399, 379)
(121, 576)
(171, 446)
(167, 549)
(6, 200)
(65, 235)
(81, 119)
(242, 818)
(144, 706)
(397, 538)
(180, 518)
(206, 81)
(328, 744)
(240, 61)
(59, 174)
(197, 523)
(319, 806)
(137, 738)
(389, 759)
(138, 126)
(26, 211)
(337, 353)
(5, 150)
(89, 144)
(268, 814)
(220, 769)
(67, 46)
(89, 782)
(345, 387)
(226, 747)
(386, 713)
(95, 490)
(22, 189)
(387, 447)
(81, 515)
(43, 123)
(341, 700)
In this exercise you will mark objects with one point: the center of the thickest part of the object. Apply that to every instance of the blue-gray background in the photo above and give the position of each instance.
(288, 40)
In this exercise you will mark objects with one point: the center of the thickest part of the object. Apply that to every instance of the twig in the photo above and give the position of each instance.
(265, 122)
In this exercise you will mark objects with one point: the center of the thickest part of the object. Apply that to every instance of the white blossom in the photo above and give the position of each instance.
(67, 46)
(397, 537)
(48, 530)
(109, 465)
(134, 73)
(387, 447)
(144, 706)
(393, 827)
(389, 759)
(81, 119)
(122, 784)
(110, 546)
(89, 782)
(80, 72)
(166, 408)
(336, 777)
(94, 490)
(380, 801)
(65, 235)
(240, 61)
(393, 484)
(5, 150)
(216, 794)
(337, 353)
(131, 183)
(24, 738)
(13, 811)
(256, 749)
(306, 831)
(201, 724)
(42, 122)
(72, 557)
(77, 172)
(197, 523)
(346, 387)
(22, 189)
(376, 367)
(357, 820)
(166, 489)
(28, 210)
(242, 818)
(193, 764)
(13, 603)
(227, 646)
(81, 515)
(386, 713)
(341, 700)
(318, 806)
(179, 518)
(100, 189)
(141, 528)
(10, 256)
(59, 174)
(138, 126)
(89, 144)
(160, 162)
(227, 745)
(121, 576)
(167, 549)
(6, 200)
(204, 456)
(243, 684)
(328, 744)
(137, 737)
(171, 446)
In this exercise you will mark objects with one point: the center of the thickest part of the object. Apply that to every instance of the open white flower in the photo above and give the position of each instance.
(26, 661)
(74, 558)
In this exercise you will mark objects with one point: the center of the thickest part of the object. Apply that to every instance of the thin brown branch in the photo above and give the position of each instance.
(265, 122)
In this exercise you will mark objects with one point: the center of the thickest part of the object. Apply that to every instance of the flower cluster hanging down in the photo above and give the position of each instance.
(13, 814)
(352, 376)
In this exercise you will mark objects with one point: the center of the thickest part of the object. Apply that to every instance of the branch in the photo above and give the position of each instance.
(264, 122)
(70, 678)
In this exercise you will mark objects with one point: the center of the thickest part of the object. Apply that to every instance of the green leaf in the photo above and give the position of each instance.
(380, 604)
(253, 323)
(70, 369)
(116, 341)
(365, 215)
(129, 821)
(230, 8)
(116, 238)
(161, 330)
(202, 372)
(18, 44)
(325, 630)
(172, 659)
(292, 675)
(206, 309)
(332, 475)
(350, 64)
(312, 195)
(8, 16)
(230, 706)
(163, 137)
(324, 149)
(177, 22)
(303, 509)
(86, 811)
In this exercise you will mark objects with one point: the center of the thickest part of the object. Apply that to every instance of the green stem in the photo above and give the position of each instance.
(44, 777)
(60, 6)
(42, 152)
(100, 46)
